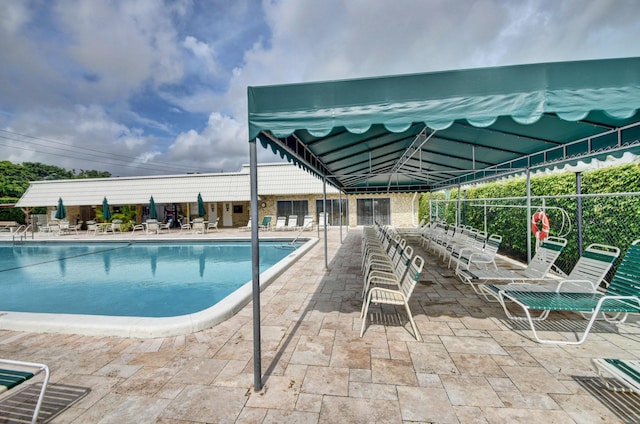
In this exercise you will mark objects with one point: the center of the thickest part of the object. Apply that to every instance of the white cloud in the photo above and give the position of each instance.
(76, 78)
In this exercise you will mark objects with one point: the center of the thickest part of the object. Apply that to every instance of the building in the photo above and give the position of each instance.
(283, 190)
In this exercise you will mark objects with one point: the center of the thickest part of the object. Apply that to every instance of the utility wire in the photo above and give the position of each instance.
(126, 161)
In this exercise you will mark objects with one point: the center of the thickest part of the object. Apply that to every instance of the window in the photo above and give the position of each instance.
(374, 210)
(333, 211)
(293, 207)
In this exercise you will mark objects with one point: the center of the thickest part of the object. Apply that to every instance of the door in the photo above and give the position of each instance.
(227, 214)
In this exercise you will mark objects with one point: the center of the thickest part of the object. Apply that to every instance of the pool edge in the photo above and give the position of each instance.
(143, 327)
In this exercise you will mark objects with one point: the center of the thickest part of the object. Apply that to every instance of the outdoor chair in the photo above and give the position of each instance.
(476, 254)
(266, 223)
(547, 253)
(625, 371)
(116, 225)
(399, 296)
(307, 223)
(247, 227)
(92, 227)
(14, 373)
(281, 222)
(213, 225)
(586, 275)
(390, 276)
(165, 225)
(621, 298)
(292, 222)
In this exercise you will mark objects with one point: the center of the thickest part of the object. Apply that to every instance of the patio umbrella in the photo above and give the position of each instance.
(106, 212)
(201, 210)
(61, 213)
(153, 214)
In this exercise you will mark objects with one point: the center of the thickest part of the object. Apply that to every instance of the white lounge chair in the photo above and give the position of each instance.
(540, 264)
(586, 275)
(400, 296)
(625, 371)
(281, 223)
(213, 225)
(198, 226)
(247, 227)
(292, 222)
(14, 373)
(307, 223)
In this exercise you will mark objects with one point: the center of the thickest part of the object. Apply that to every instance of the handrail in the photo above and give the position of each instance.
(22, 232)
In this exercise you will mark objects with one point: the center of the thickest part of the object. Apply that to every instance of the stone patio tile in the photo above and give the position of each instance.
(337, 409)
(309, 402)
(276, 416)
(350, 356)
(119, 409)
(199, 371)
(326, 381)
(373, 391)
(470, 415)
(312, 351)
(470, 391)
(206, 404)
(478, 345)
(386, 371)
(526, 416)
(534, 379)
(585, 409)
(516, 399)
(431, 358)
(477, 365)
(278, 392)
(423, 404)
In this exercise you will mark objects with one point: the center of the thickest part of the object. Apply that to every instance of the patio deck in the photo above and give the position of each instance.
(473, 366)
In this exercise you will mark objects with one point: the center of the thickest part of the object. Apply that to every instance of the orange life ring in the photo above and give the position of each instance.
(544, 232)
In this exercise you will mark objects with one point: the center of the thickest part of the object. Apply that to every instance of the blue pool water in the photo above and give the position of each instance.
(127, 279)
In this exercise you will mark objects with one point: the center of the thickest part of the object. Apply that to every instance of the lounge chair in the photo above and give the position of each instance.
(399, 296)
(307, 223)
(586, 275)
(213, 225)
(247, 227)
(92, 227)
(621, 298)
(390, 276)
(116, 225)
(625, 371)
(266, 223)
(486, 255)
(540, 264)
(281, 223)
(292, 222)
(14, 373)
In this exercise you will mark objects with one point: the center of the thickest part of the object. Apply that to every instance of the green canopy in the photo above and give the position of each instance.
(153, 213)
(430, 131)
(61, 213)
(106, 212)
(201, 209)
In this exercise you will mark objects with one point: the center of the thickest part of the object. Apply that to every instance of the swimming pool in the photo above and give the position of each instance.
(118, 287)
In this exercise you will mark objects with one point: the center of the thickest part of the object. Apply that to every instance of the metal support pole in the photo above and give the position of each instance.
(340, 211)
(324, 211)
(255, 264)
(458, 207)
(485, 215)
(528, 227)
(579, 209)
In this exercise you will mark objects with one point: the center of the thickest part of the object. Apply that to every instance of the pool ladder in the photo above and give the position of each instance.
(21, 233)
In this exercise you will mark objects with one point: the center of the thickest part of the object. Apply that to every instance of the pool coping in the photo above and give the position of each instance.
(147, 327)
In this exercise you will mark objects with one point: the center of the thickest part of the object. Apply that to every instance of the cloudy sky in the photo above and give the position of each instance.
(138, 87)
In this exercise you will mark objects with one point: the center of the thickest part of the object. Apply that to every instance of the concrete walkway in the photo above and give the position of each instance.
(472, 365)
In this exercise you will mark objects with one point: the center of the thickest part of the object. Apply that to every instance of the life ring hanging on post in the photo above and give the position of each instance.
(542, 233)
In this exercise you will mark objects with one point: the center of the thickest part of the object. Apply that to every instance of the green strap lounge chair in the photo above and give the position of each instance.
(586, 276)
(621, 298)
(540, 264)
(625, 371)
(14, 373)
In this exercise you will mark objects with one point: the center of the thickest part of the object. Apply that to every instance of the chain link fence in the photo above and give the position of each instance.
(611, 219)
